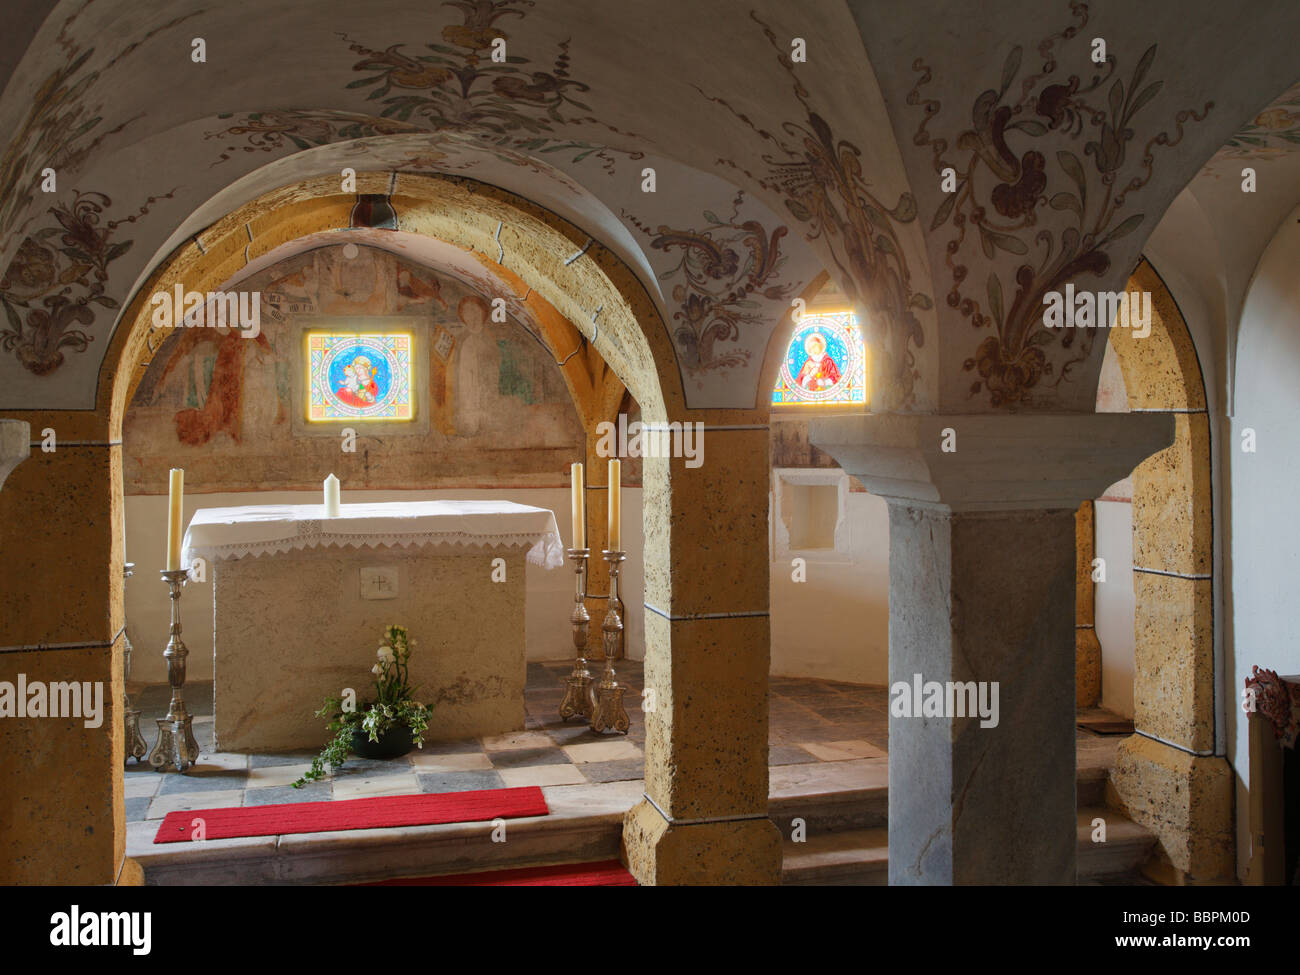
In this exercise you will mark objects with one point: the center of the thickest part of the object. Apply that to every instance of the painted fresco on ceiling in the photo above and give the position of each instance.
(53, 290)
(1084, 169)
(61, 128)
(719, 276)
(457, 85)
(820, 177)
(1272, 133)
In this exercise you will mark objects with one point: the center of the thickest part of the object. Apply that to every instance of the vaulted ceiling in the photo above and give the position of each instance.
(768, 167)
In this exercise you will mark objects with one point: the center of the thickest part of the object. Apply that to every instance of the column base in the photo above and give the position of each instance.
(659, 853)
(132, 874)
(1187, 801)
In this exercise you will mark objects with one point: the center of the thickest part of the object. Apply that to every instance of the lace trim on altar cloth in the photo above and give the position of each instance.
(546, 550)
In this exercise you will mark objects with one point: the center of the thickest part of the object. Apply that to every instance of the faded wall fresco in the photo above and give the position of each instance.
(499, 412)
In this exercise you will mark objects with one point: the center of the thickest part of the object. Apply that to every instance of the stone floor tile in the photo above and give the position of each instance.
(520, 757)
(142, 783)
(284, 794)
(842, 751)
(381, 785)
(602, 751)
(459, 781)
(160, 806)
(199, 779)
(472, 762)
(564, 774)
(517, 739)
(137, 808)
(789, 755)
(617, 771)
(281, 758)
(273, 776)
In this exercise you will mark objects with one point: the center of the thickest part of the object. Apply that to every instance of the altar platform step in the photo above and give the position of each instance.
(844, 806)
(860, 857)
(585, 825)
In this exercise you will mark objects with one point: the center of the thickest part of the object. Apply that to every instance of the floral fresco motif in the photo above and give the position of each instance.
(456, 85)
(820, 178)
(1272, 132)
(271, 131)
(58, 131)
(722, 272)
(59, 274)
(1005, 177)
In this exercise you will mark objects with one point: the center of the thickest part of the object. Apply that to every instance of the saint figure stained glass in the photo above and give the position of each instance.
(359, 376)
(825, 362)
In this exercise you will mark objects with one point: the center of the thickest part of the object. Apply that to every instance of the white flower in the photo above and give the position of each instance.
(386, 654)
(376, 670)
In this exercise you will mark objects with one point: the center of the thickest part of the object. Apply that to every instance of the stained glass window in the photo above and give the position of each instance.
(824, 363)
(353, 376)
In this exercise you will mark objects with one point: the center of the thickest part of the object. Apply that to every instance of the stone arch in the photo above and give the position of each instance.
(701, 524)
(1167, 775)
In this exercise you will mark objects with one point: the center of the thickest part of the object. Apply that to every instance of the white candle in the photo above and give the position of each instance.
(331, 497)
(579, 507)
(176, 494)
(615, 506)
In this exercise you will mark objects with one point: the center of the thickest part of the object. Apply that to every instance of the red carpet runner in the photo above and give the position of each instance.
(607, 873)
(322, 817)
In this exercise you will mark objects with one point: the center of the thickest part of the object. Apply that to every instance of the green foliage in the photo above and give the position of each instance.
(393, 707)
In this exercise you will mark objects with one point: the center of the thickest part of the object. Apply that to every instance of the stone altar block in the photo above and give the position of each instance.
(300, 602)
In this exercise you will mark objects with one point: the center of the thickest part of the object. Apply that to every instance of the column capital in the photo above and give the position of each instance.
(990, 461)
(15, 445)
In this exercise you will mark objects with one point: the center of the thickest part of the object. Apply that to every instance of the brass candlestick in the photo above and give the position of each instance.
(176, 746)
(578, 698)
(609, 711)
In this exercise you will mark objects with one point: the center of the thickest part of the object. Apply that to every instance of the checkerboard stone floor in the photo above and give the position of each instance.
(811, 721)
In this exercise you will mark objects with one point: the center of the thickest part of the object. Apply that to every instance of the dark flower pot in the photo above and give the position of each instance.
(394, 743)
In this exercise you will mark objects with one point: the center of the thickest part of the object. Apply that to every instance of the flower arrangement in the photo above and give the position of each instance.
(392, 709)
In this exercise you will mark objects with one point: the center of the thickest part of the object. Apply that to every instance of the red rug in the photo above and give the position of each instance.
(608, 873)
(322, 817)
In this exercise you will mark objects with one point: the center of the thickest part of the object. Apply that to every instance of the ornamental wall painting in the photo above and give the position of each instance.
(359, 377)
(825, 362)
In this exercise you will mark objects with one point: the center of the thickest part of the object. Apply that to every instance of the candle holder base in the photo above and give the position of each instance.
(176, 748)
(135, 745)
(579, 696)
(609, 714)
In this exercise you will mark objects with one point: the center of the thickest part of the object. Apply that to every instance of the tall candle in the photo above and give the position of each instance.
(331, 497)
(176, 494)
(579, 507)
(615, 506)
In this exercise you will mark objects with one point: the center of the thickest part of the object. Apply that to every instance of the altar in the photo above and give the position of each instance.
(300, 602)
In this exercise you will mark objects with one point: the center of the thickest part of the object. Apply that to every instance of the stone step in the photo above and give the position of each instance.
(860, 857)
(585, 824)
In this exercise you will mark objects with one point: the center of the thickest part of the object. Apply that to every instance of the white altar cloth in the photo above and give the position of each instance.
(230, 533)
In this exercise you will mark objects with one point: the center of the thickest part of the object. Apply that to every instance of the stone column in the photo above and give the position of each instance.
(704, 816)
(982, 585)
(62, 820)
(1087, 648)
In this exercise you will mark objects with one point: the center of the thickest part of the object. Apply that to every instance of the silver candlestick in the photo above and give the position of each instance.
(133, 742)
(609, 711)
(578, 698)
(176, 746)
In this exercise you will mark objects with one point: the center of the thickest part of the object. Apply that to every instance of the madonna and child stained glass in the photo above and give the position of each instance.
(824, 363)
(359, 376)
